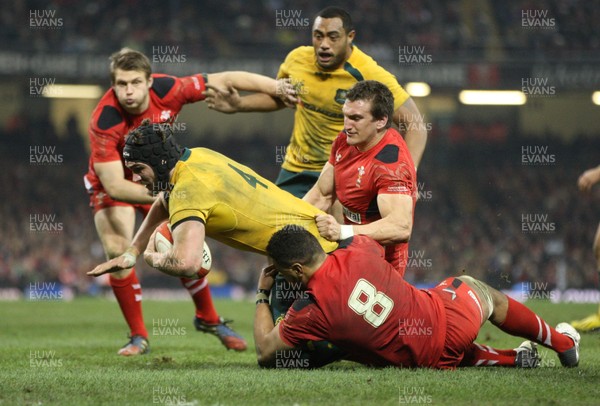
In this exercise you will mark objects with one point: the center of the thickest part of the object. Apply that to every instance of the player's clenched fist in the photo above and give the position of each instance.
(328, 227)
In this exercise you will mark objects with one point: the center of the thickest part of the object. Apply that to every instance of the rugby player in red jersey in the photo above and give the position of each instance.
(137, 94)
(370, 171)
(357, 301)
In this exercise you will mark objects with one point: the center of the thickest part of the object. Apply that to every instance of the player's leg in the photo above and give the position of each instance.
(479, 355)
(592, 322)
(516, 319)
(207, 319)
(115, 225)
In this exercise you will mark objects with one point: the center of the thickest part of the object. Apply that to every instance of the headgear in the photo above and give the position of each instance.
(154, 145)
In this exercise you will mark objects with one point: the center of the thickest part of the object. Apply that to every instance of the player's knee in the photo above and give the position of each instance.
(485, 293)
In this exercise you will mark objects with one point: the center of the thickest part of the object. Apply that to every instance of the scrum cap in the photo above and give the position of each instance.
(154, 145)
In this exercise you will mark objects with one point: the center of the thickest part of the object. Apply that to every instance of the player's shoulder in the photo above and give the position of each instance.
(393, 148)
(369, 66)
(360, 246)
(107, 115)
(359, 58)
(162, 84)
(300, 54)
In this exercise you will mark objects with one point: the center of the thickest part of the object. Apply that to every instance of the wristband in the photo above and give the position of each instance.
(346, 231)
(261, 296)
(265, 291)
(259, 301)
(130, 255)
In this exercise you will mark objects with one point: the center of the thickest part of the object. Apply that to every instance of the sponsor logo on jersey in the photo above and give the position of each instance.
(352, 216)
(398, 189)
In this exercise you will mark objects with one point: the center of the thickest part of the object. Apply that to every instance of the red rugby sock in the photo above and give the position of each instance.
(200, 292)
(522, 322)
(128, 292)
(483, 355)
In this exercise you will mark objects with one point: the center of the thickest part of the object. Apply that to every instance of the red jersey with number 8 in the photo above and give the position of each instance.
(357, 302)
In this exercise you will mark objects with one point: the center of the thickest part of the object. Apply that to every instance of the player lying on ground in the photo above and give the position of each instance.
(358, 302)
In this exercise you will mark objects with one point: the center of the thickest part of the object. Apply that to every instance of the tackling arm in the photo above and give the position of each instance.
(112, 176)
(253, 82)
(321, 194)
(395, 225)
(416, 132)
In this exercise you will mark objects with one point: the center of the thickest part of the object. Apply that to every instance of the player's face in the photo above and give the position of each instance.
(332, 44)
(132, 89)
(142, 173)
(361, 128)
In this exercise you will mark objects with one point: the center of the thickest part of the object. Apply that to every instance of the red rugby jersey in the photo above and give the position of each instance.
(360, 177)
(356, 301)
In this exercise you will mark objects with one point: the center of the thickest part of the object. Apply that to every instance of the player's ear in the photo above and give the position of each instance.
(150, 82)
(381, 123)
(298, 269)
(351, 35)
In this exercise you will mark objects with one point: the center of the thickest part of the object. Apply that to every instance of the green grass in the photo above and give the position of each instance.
(56, 353)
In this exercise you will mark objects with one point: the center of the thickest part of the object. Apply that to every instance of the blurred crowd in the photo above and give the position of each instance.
(481, 210)
(269, 28)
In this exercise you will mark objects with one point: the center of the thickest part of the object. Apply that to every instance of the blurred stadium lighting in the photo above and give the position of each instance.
(418, 89)
(493, 97)
(596, 98)
(72, 91)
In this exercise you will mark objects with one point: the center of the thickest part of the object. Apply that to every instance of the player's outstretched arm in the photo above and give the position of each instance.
(395, 225)
(416, 131)
(113, 180)
(588, 179)
(185, 257)
(251, 82)
(228, 100)
(266, 335)
(157, 214)
(321, 195)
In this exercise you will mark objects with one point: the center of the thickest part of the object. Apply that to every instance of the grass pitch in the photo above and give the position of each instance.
(64, 353)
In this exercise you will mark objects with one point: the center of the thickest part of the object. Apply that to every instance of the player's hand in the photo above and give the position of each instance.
(266, 280)
(328, 227)
(125, 261)
(287, 92)
(588, 179)
(223, 100)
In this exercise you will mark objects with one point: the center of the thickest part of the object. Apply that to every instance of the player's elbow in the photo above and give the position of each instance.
(190, 266)
(402, 233)
(111, 189)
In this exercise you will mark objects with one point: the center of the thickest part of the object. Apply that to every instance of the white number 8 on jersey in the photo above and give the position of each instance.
(366, 301)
